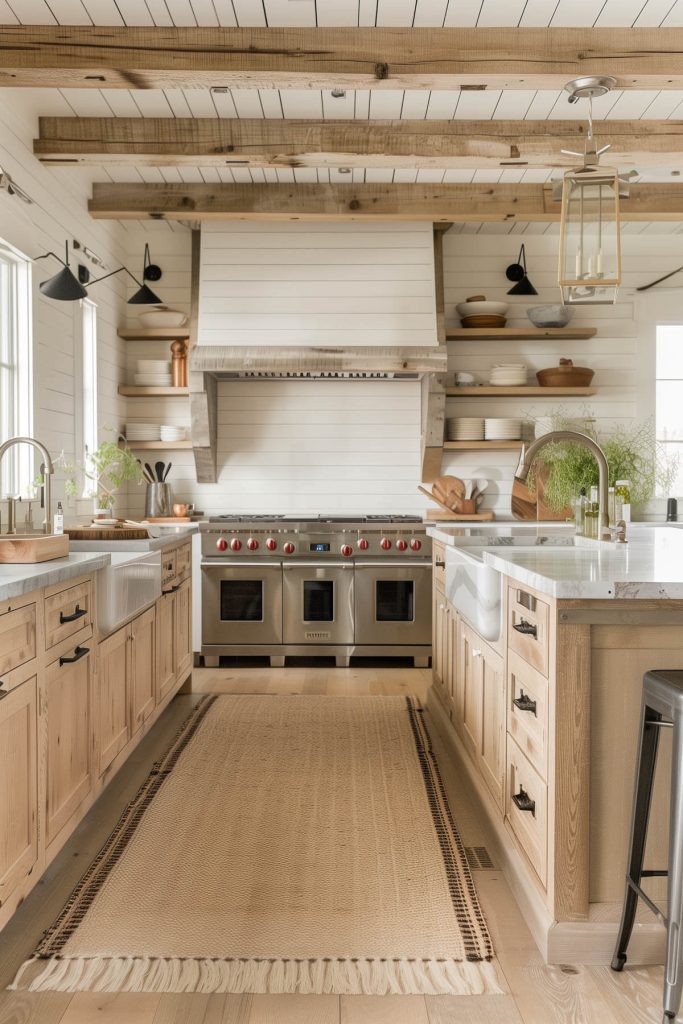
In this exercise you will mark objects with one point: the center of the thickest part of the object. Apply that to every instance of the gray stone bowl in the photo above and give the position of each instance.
(554, 315)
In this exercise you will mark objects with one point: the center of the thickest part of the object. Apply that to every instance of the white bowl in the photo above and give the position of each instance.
(481, 308)
(552, 315)
(163, 318)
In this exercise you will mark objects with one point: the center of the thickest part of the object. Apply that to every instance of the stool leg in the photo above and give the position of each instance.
(673, 977)
(645, 771)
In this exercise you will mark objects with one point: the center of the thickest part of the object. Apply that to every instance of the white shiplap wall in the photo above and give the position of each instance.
(316, 284)
(59, 212)
(475, 264)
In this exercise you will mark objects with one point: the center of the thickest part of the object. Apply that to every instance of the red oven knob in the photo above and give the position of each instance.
(288, 548)
(271, 544)
(346, 550)
(222, 544)
(385, 543)
(401, 545)
(252, 544)
(235, 544)
(363, 544)
(415, 544)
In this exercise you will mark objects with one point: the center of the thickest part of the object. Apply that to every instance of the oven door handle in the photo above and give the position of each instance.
(316, 565)
(246, 564)
(394, 563)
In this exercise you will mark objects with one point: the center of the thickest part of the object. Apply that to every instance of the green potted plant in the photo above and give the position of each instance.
(632, 451)
(104, 472)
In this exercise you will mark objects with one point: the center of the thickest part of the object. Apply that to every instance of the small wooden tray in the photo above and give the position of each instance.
(455, 517)
(20, 550)
(106, 533)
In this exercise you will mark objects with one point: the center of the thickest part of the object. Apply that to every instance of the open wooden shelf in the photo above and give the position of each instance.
(517, 392)
(154, 334)
(157, 446)
(521, 333)
(480, 446)
(136, 391)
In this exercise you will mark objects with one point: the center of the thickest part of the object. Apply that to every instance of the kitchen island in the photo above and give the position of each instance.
(541, 641)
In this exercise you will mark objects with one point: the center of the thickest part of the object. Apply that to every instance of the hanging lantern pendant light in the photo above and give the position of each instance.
(590, 244)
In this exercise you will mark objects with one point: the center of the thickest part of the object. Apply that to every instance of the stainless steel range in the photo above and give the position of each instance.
(316, 585)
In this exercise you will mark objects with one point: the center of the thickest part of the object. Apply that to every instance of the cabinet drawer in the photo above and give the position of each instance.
(527, 711)
(183, 561)
(168, 567)
(67, 612)
(439, 564)
(528, 618)
(17, 637)
(527, 809)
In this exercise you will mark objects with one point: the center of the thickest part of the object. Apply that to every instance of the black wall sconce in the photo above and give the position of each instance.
(517, 272)
(66, 287)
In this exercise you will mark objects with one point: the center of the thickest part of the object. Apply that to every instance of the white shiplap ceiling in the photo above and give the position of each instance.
(360, 104)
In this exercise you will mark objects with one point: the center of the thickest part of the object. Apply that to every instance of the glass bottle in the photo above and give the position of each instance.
(622, 493)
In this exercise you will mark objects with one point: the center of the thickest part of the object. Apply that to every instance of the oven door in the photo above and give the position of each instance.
(393, 603)
(318, 603)
(241, 604)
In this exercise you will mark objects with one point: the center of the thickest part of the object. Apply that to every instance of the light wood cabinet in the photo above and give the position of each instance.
(166, 644)
(481, 703)
(17, 637)
(112, 703)
(19, 792)
(68, 733)
(142, 668)
(183, 614)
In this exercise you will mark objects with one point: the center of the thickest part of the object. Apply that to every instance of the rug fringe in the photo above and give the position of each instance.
(305, 977)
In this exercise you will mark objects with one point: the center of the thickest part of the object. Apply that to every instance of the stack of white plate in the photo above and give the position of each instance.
(500, 429)
(464, 428)
(142, 432)
(171, 433)
(508, 375)
(153, 373)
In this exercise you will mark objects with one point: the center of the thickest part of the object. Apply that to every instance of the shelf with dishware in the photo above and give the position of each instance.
(154, 334)
(160, 446)
(141, 391)
(517, 391)
(481, 446)
(520, 333)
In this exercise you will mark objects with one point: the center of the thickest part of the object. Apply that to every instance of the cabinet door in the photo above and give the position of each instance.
(142, 668)
(470, 668)
(165, 644)
(18, 794)
(67, 690)
(438, 613)
(112, 727)
(183, 631)
(492, 737)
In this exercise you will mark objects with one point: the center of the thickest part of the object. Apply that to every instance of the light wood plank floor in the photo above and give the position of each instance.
(536, 994)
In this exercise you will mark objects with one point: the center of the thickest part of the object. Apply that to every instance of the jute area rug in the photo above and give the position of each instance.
(283, 844)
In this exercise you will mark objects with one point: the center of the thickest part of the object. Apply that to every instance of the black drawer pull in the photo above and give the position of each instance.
(524, 702)
(526, 628)
(524, 801)
(440, 565)
(79, 653)
(78, 614)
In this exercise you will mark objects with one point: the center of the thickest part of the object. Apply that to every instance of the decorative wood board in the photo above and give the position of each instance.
(107, 533)
(473, 517)
(21, 550)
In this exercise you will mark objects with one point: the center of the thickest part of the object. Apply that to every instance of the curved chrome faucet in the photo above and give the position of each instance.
(49, 470)
(528, 455)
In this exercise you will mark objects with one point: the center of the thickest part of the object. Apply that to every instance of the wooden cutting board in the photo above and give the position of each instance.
(23, 550)
(106, 533)
(454, 517)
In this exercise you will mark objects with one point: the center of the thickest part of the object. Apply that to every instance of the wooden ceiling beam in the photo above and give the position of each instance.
(68, 56)
(457, 203)
(157, 141)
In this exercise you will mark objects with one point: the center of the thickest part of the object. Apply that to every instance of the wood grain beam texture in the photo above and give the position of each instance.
(158, 141)
(319, 58)
(419, 202)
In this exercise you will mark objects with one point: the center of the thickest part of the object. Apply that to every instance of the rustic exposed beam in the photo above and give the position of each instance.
(318, 58)
(471, 202)
(157, 141)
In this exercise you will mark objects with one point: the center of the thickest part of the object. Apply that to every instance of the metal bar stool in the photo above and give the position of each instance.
(662, 707)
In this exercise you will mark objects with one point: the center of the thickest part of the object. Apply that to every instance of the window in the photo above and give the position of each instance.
(16, 369)
(669, 395)
(86, 370)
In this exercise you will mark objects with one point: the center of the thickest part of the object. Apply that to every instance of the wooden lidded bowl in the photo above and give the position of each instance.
(565, 375)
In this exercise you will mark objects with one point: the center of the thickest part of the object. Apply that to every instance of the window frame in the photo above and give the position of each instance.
(17, 359)
(86, 432)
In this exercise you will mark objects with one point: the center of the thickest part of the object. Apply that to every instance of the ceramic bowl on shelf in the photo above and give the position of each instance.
(162, 317)
(565, 375)
(476, 311)
(553, 315)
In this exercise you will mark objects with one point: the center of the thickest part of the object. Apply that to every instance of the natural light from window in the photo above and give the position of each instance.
(669, 395)
(16, 370)
(88, 368)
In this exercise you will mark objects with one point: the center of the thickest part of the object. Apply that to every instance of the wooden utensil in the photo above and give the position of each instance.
(149, 469)
(166, 471)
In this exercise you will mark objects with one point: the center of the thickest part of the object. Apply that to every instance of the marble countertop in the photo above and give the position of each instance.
(16, 580)
(551, 560)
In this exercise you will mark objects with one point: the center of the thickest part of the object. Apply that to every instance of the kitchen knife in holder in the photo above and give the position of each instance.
(158, 501)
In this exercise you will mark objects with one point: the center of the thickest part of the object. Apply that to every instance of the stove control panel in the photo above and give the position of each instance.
(299, 540)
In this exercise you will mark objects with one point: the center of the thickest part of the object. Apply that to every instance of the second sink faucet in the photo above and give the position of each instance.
(528, 455)
(49, 470)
